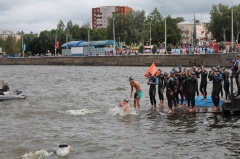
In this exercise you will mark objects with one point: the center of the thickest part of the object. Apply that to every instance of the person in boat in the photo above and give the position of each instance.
(226, 83)
(126, 106)
(203, 83)
(216, 80)
(235, 72)
(169, 85)
(138, 93)
(191, 85)
(161, 87)
(152, 82)
(5, 88)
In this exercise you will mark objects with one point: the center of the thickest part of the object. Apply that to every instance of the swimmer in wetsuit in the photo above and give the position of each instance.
(138, 93)
(191, 85)
(169, 85)
(153, 81)
(216, 80)
(226, 83)
(203, 83)
(161, 87)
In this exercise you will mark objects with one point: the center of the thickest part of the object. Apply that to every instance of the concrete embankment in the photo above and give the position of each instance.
(208, 60)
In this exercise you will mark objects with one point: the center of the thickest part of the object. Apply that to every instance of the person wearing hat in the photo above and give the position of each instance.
(180, 77)
(226, 83)
(216, 80)
(138, 93)
(235, 72)
(152, 82)
(191, 85)
(169, 85)
(5, 88)
(126, 106)
(203, 83)
(176, 88)
(161, 87)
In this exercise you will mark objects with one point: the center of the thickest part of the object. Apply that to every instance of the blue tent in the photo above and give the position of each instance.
(97, 43)
(72, 43)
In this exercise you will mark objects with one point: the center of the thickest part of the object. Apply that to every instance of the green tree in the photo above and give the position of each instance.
(11, 45)
(141, 49)
(60, 26)
(220, 22)
(47, 41)
(154, 49)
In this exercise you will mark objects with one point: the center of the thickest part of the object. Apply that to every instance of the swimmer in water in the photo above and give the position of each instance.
(138, 93)
(126, 106)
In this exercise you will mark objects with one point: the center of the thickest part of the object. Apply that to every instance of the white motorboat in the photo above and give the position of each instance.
(15, 95)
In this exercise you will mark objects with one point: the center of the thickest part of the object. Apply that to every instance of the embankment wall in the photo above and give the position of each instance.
(208, 60)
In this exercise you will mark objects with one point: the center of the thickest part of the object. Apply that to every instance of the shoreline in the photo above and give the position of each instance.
(186, 60)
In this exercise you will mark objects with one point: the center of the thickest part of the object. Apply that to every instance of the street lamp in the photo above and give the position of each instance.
(165, 22)
(113, 37)
(22, 44)
(232, 25)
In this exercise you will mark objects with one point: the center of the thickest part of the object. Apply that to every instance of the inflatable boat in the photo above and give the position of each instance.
(15, 95)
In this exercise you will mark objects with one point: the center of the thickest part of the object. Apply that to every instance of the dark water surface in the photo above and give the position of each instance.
(74, 105)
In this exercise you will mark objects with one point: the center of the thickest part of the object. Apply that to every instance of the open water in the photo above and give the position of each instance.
(75, 105)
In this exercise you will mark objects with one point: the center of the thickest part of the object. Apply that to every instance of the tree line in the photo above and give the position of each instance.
(132, 28)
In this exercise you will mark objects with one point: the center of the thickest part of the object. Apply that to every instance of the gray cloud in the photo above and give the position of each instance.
(39, 15)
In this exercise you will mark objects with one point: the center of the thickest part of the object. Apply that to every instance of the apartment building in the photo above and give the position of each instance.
(6, 33)
(203, 36)
(100, 15)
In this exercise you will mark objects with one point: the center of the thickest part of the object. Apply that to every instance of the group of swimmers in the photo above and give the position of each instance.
(183, 82)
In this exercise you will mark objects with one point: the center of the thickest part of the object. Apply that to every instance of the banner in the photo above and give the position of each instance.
(57, 45)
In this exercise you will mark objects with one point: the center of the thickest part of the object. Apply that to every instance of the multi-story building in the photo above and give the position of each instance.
(203, 36)
(100, 15)
(7, 33)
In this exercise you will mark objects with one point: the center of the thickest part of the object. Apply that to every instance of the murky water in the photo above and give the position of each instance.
(74, 105)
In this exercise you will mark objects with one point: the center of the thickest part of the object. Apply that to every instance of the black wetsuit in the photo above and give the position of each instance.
(203, 83)
(197, 75)
(180, 89)
(234, 73)
(226, 84)
(184, 77)
(191, 86)
(161, 86)
(152, 90)
(5, 88)
(176, 90)
(216, 80)
(169, 84)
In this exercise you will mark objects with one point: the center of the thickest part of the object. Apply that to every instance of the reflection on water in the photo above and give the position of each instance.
(78, 106)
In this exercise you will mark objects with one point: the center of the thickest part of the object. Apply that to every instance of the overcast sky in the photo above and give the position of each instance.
(40, 15)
